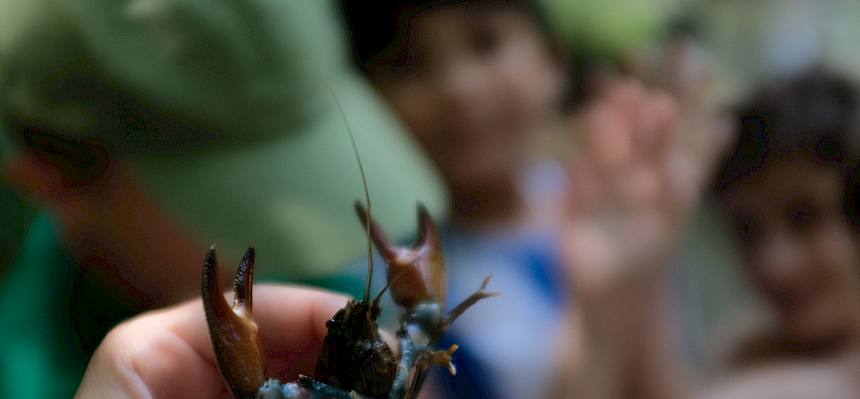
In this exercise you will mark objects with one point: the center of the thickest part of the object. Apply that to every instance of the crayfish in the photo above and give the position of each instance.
(355, 362)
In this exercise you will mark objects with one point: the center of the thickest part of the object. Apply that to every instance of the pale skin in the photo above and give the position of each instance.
(168, 353)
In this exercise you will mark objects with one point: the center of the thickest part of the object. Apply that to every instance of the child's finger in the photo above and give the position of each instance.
(626, 96)
(586, 191)
(658, 120)
(606, 138)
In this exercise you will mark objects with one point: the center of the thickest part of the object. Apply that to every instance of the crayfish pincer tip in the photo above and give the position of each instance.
(210, 264)
(243, 282)
(249, 255)
(426, 229)
(232, 330)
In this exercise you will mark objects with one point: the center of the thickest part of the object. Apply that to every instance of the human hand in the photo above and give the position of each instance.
(644, 161)
(168, 353)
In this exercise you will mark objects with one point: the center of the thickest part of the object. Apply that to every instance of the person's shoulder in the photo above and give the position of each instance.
(787, 380)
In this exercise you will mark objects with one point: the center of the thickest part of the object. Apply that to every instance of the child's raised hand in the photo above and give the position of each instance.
(644, 161)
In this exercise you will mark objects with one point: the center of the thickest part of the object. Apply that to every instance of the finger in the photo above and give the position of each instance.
(606, 138)
(169, 353)
(694, 166)
(626, 95)
(610, 123)
(145, 358)
(293, 328)
(658, 119)
(687, 72)
(586, 191)
(291, 322)
(716, 137)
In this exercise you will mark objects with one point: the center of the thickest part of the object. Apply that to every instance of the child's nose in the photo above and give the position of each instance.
(463, 82)
(780, 259)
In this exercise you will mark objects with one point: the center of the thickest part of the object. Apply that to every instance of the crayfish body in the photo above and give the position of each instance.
(355, 362)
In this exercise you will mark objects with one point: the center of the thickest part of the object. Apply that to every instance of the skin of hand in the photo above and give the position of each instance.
(644, 160)
(168, 353)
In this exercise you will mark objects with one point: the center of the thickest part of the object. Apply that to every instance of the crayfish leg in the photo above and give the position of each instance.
(233, 332)
(476, 296)
(443, 358)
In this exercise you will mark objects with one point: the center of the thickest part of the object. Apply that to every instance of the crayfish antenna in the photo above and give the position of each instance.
(232, 330)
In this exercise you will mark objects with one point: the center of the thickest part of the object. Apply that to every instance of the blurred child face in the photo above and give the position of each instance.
(799, 247)
(472, 83)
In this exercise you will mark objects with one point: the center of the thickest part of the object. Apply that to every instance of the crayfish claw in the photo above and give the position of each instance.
(476, 296)
(380, 240)
(233, 332)
(416, 273)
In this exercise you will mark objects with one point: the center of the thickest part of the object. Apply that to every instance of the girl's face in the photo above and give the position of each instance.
(799, 247)
(473, 84)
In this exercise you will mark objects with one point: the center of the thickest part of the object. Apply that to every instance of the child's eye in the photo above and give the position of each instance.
(485, 39)
(802, 218)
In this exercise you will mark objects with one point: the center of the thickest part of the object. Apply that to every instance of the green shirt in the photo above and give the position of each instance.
(52, 317)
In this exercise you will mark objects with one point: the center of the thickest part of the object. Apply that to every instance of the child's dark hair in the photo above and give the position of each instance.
(814, 115)
(375, 26)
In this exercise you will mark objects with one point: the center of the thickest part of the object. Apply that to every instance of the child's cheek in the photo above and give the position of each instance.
(414, 105)
(532, 76)
(836, 273)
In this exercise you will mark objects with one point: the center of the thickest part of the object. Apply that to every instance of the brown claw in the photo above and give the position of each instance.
(233, 331)
(416, 273)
